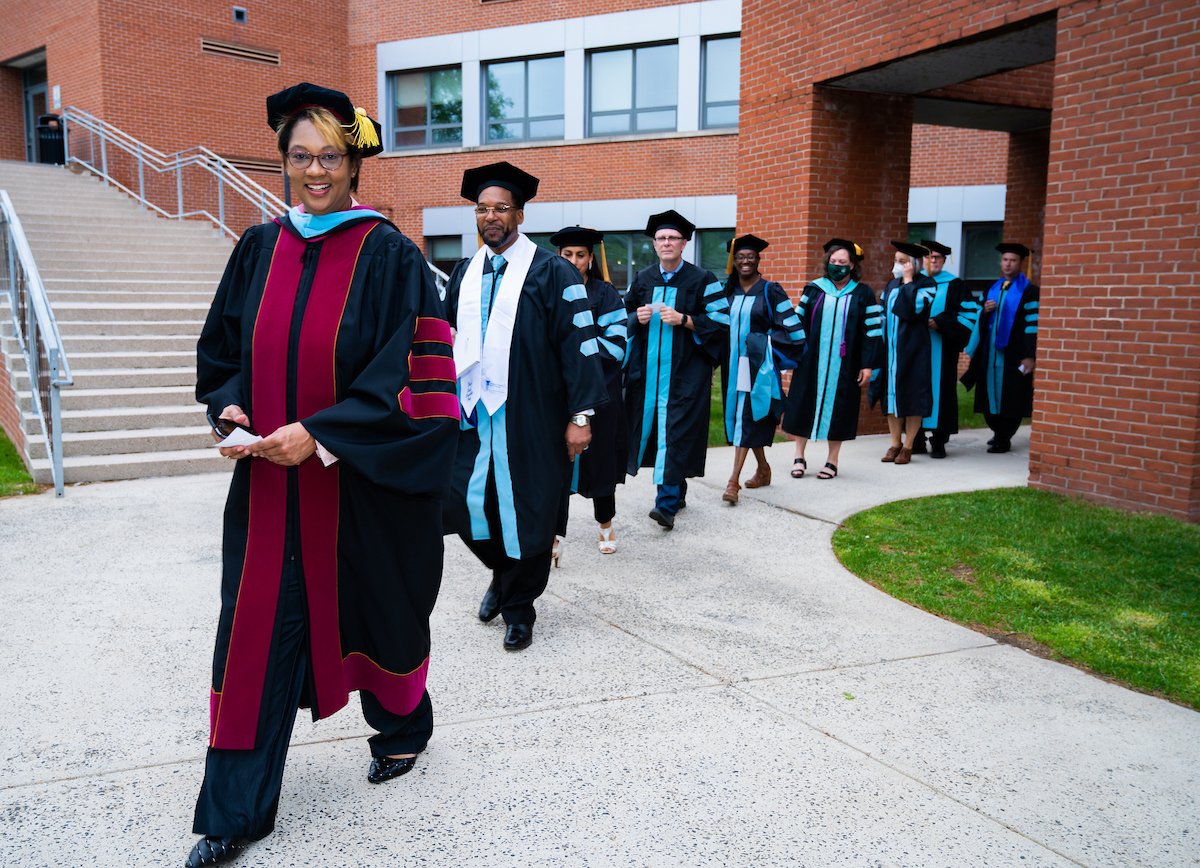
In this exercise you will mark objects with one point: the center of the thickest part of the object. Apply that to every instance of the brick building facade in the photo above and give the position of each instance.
(1071, 123)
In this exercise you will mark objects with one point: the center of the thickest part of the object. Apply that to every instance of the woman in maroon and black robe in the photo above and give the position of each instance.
(326, 336)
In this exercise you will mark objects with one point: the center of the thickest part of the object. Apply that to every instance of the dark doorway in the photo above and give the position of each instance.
(35, 107)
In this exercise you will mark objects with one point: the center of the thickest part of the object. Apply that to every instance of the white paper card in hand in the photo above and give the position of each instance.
(743, 380)
(240, 437)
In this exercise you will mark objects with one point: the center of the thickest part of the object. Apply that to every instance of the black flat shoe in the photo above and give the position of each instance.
(489, 606)
(937, 450)
(518, 637)
(999, 447)
(384, 768)
(664, 518)
(214, 851)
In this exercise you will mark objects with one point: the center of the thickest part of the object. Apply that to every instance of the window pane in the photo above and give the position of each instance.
(657, 120)
(546, 87)
(506, 90)
(722, 70)
(546, 129)
(505, 132)
(657, 76)
(612, 80)
(542, 240)
(409, 138)
(444, 247)
(980, 259)
(917, 231)
(446, 95)
(610, 124)
(409, 90)
(713, 254)
(448, 136)
(721, 116)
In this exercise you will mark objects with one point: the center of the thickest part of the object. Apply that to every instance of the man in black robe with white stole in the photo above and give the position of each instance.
(678, 325)
(1003, 348)
(529, 378)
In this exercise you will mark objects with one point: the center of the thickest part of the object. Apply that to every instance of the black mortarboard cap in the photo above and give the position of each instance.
(855, 251)
(522, 185)
(747, 242)
(1012, 247)
(670, 220)
(363, 133)
(935, 247)
(576, 236)
(914, 250)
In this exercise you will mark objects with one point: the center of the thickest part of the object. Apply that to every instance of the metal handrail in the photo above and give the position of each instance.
(37, 332)
(96, 145)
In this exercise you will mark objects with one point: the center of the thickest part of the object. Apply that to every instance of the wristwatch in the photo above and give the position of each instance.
(581, 419)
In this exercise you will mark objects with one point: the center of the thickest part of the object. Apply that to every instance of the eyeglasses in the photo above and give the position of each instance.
(484, 210)
(668, 239)
(329, 160)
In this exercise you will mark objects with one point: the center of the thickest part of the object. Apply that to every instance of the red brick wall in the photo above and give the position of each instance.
(1117, 410)
(1025, 199)
(10, 416)
(950, 156)
(12, 115)
(689, 166)
(1030, 86)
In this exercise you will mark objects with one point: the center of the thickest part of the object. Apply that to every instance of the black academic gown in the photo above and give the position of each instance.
(554, 372)
(1000, 387)
(668, 377)
(602, 467)
(346, 334)
(843, 330)
(954, 311)
(902, 382)
(765, 312)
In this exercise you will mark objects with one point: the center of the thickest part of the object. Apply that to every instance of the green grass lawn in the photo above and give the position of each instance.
(1113, 592)
(13, 478)
(967, 417)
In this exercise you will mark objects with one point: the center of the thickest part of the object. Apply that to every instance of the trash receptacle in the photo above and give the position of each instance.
(50, 139)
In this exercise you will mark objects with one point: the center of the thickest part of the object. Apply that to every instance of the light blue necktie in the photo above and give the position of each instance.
(489, 289)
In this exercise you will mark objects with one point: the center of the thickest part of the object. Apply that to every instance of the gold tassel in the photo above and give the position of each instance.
(858, 251)
(729, 258)
(604, 264)
(362, 131)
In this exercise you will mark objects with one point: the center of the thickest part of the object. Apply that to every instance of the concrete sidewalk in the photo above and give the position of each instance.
(725, 694)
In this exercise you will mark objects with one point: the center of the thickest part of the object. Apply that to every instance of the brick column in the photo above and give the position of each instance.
(1117, 408)
(818, 164)
(1025, 200)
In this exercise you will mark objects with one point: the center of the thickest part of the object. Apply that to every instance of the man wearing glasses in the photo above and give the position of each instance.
(678, 322)
(529, 378)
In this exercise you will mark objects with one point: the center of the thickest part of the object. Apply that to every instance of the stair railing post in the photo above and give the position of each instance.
(66, 141)
(141, 161)
(179, 184)
(220, 196)
(56, 447)
(104, 157)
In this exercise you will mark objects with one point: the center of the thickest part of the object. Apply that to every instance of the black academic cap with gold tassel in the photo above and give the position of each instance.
(363, 133)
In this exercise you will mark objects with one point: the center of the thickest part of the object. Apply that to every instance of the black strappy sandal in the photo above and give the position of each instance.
(799, 473)
(825, 474)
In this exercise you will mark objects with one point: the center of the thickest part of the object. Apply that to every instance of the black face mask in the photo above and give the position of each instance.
(837, 272)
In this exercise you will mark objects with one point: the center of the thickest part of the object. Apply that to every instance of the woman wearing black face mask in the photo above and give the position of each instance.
(843, 324)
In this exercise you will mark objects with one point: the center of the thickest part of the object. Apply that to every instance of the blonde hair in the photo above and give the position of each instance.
(327, 125)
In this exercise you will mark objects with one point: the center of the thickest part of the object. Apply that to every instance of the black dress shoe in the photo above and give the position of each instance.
(489, 606)
(919, 446)
(992, 442)
(518, 636)
(211, 850)
(664, 518)
(999, 447)
(384, 768)
(937, 450)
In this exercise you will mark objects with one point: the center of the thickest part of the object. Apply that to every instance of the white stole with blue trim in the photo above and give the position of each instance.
(487, 381)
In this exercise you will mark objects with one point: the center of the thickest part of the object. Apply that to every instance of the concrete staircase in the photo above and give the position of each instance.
(130, 291)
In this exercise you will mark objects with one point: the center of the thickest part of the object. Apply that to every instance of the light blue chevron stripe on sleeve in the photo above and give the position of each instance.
(589, 347)
(583, 319)
(611, 317)
(791, 322)
(575, 292)
(614, 350)
(783, 306)
(617, 330)
(1032, 305)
